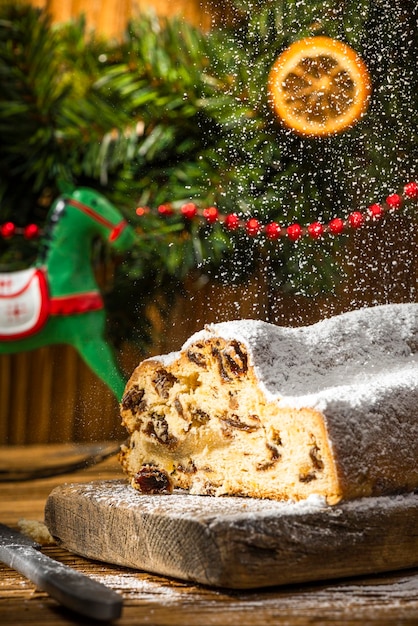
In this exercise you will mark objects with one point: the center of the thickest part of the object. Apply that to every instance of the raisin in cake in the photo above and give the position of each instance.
(253, 409)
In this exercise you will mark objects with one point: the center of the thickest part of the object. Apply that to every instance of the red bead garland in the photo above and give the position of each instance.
(394, 201)
(211, 214)
(411, 190)
(254, 227)
(336, 226)
(273, 230)
(356, 219)
(375, 211)
(294, 231)
(31, 231)
(189, 210)
(315, 230)
(9, 230)
(232, 221)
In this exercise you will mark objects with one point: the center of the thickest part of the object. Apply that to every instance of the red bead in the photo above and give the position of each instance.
(315, 230)
(294, 231)
(376, 211)
(411, 190)
(231, 221)
(31, 231)
(252, 227)
(273, 230)
(356, 219)
(211, 214)
(189, 210)
(336, 226)
(394, 201)
(165, 209)
(7, 230)
(141, 210)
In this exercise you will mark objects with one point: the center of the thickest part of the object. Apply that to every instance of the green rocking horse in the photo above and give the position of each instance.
(57, 300)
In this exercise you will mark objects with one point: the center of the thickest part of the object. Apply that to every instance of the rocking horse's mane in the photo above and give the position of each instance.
(53, 219)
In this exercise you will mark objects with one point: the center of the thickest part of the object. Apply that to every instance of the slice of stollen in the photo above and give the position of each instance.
(253, 409)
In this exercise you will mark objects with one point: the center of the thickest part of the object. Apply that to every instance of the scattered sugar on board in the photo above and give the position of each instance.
(118, 493)
(399, 596)
(344, 597)
(139, 584)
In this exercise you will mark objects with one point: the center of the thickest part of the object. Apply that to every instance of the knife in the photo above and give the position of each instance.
(69, 587)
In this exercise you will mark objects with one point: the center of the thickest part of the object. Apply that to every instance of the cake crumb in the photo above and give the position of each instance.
(37, 531)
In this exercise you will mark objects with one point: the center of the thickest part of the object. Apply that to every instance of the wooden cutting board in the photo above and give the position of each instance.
(234, 542)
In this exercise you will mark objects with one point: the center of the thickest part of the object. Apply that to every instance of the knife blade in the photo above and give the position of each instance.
(69, 587)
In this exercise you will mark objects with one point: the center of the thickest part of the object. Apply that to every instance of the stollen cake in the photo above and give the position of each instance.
(253, 409)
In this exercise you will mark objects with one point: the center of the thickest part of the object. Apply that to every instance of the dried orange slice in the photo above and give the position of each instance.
(319, 86)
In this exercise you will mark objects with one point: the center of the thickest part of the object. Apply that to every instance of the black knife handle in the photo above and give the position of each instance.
(69, 587)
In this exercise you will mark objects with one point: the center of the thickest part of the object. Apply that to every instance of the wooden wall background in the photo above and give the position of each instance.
(109, 17)
(49, 395)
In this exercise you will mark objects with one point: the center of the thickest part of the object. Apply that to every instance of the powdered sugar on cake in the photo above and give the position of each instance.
(330, 357)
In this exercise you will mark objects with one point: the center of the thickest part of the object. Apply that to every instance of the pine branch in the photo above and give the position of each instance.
(175, 114)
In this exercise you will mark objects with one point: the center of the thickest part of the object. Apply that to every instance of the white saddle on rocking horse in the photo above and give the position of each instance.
(24, 305)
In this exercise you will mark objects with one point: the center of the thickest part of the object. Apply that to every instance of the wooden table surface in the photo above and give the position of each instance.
(154, 600)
